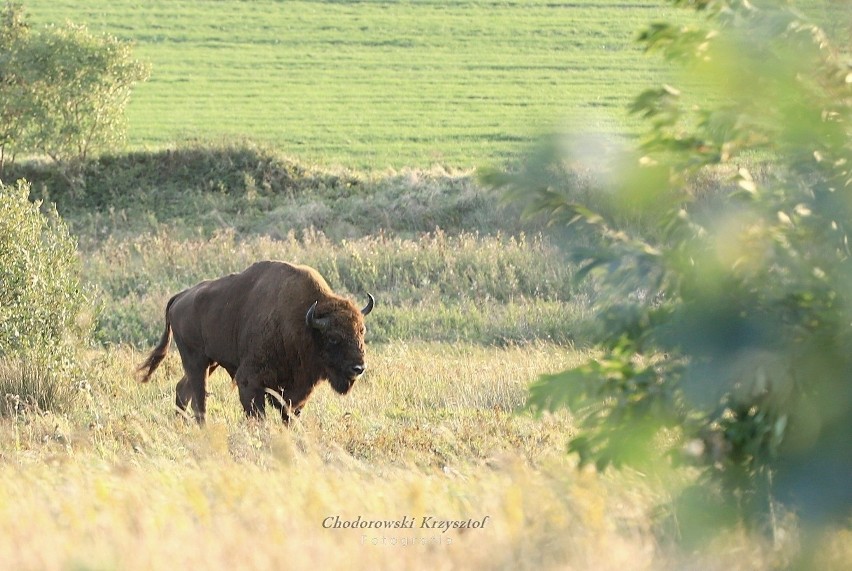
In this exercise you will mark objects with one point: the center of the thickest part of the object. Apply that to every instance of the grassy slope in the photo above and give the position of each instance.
(444, 259)
(376, 84)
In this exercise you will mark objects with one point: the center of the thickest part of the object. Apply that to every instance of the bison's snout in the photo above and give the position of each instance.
(343, 379)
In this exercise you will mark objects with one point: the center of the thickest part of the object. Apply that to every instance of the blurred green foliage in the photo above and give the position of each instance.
(725, 318)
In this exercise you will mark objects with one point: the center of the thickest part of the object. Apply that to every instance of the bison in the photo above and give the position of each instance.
(276, 328)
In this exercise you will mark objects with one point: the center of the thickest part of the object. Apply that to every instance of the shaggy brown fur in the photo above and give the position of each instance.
(274, 326)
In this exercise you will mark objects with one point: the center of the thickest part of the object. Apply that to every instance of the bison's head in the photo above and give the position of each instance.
(338, 327)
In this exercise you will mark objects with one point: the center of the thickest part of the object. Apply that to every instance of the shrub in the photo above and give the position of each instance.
(44, 312)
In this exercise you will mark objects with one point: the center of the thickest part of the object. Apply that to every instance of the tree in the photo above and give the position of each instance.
(14, 34)
(726, 316)
(63, 90)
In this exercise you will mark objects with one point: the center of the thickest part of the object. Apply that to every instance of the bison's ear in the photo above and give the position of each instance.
(313, 321)
(371, 301)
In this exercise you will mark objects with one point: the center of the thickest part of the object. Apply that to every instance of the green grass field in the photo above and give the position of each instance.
(381, 84)
(376, 84)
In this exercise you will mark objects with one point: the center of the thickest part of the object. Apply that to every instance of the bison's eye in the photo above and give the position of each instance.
(334, 341)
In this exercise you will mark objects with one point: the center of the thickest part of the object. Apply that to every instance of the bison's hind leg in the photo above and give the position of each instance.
(183, 394)
(192, 388)
(187, 392)
(183, 390)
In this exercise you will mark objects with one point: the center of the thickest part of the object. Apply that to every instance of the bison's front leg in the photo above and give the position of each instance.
(285, 406)
(252, 392)
(252, 400)
(289, 401)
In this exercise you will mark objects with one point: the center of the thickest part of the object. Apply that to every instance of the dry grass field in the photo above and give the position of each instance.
(105, 475)
(429, 435)
(120, 481)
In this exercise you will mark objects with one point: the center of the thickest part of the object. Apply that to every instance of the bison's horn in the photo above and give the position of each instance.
(314, 322)
(371, 301)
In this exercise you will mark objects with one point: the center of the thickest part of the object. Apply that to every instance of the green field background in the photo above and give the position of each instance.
(376, 84)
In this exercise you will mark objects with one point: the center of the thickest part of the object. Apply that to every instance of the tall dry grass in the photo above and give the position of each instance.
(490, 289)
(119, 481)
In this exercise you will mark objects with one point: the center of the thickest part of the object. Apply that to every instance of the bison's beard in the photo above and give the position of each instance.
(341, 383)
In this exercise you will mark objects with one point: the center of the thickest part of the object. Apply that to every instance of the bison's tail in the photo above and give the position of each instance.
(156, 357)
